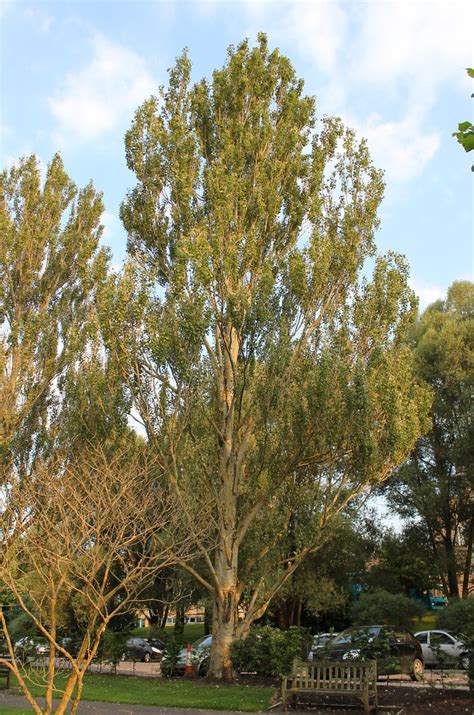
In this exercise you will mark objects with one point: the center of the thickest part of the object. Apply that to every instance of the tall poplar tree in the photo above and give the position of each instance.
(49, 266)
(268, 373)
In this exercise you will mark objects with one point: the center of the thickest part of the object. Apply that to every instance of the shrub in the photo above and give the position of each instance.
(458, 617)
(268, 651)
(383, 608)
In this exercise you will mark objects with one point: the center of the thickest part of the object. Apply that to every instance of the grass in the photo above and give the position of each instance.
(426, 622)
(191, 633)
(169, 693)
(14, 711)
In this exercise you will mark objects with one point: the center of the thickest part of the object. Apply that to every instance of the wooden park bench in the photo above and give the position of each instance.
(356, 679)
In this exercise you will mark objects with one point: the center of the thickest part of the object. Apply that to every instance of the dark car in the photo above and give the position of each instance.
(145, 649)
(394, 648)
(320, 642)
(200, 651)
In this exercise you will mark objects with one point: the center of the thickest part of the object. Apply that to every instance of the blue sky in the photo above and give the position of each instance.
(73, 72)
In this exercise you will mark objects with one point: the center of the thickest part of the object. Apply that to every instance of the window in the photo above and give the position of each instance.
(441, 639)
(422, 638)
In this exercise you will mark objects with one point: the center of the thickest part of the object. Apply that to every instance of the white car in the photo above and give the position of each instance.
(442, 648)
(28, 648)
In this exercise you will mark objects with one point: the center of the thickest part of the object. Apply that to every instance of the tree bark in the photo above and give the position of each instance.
(468, 561)
(451, 570)
(225, 610)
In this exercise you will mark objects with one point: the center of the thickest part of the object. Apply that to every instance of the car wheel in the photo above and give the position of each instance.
(464, 661)
(147, 657)
(417, 670)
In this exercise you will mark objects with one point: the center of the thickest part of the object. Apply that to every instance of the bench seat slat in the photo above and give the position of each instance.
(357, 680)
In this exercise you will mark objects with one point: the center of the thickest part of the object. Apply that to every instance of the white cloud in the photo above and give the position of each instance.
(425, 42)
(401, 148)
(396, 54)
(427, 293)
(100, 96)
(319, 29)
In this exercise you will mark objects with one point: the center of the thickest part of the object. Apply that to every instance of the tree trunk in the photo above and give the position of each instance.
(468, 561)
(451, 570)
(223, 635)
(225, 614)
(179, 622)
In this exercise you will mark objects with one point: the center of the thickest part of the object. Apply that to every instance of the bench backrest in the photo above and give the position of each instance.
(333, 675)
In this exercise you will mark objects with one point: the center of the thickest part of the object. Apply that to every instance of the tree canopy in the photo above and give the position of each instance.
(265, 363)
(436, 483)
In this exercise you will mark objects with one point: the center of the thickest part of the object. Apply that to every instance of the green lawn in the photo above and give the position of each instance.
(191, 633)
(426, 622)
(171, 693)
(14, 711)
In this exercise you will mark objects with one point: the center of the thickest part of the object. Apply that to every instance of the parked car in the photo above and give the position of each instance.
(320, 643)
(200, 651)
(144, 649)
(442, 648)
(394, 648)
(30, 648)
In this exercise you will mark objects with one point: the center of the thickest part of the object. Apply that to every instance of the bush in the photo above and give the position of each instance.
(384, 608)
(268, 651)
(458, 617)
(112, 647)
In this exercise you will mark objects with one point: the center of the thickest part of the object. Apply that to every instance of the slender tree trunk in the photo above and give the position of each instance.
(225, 598)
(179, 622)
(468, 562)
(48, 704)
(451, 570)
(300, 611)
(164, 617)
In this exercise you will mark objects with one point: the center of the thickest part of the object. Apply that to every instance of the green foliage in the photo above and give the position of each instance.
(269, 373)
(458, 617)
(112, 646)
(403, 561)
(384, 608)
(465, 133)
(50, 265)
(268, 651)
(436, 482)
(170, 657)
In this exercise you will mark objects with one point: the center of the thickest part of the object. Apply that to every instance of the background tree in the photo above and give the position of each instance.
(385, 608)
(49, 266)
(87, 534)
(402, 562)
(269, 375)
(436, 484)
(318, 595)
